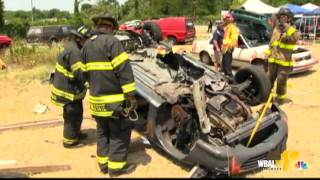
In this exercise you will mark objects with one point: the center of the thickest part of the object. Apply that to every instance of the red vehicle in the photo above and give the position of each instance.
(133, 25)
(5, 41)
(177, 29)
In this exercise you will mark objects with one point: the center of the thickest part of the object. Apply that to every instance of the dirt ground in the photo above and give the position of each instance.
(44, 146)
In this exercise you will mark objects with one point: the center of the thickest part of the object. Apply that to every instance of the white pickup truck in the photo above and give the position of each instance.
(252, 52)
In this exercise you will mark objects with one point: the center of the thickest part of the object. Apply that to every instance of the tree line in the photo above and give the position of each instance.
(200, 10)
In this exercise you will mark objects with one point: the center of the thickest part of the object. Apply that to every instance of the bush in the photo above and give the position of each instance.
(30, 55)
(203, 20)
(16, 28)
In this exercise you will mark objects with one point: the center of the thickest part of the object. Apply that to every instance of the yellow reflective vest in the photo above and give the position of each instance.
(230, 38)
(282, 46)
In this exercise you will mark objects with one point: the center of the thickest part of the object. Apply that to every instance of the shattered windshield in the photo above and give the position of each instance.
(256, 36)
(256, 42)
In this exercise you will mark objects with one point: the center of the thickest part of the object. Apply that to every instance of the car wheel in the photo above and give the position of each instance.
(205, 58)
(172, 40)
(154, 30)
(261, 65)
(259, 88)
(175, 142)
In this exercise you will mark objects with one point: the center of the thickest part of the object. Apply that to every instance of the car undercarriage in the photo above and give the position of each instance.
(200, 117)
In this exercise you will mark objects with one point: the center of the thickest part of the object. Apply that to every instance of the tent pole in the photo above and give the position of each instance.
(301, 24)
(304, 28)
(315, 29)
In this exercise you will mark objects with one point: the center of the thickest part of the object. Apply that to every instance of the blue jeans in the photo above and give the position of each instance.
(227, 63)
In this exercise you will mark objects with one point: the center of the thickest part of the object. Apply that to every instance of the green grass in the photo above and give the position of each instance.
(40, 72)
(28, 62)
(29, 56)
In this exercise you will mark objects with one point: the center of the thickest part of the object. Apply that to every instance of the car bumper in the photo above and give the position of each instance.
(303, 68)
(189, 39)
(217, 159)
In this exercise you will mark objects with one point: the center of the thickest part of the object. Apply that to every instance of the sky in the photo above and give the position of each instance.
(66, 5)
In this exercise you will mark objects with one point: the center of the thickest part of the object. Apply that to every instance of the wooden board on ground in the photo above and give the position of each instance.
(7, 162)
(31, 125)
(30, 170)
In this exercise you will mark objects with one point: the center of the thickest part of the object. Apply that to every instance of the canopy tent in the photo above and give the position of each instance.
(316, 11)
(297, 9)
(310, 6)
(259, 7)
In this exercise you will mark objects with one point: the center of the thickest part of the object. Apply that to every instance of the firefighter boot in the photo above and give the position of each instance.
(82, 136)
(282, 101)
(71, 145)
(127, 169)
(103, 168)
(76, 143)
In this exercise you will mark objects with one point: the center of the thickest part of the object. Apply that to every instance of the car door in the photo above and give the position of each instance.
(237, 55)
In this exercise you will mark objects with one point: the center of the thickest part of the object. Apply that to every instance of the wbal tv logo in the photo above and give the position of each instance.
(268, 164)
(289, 161)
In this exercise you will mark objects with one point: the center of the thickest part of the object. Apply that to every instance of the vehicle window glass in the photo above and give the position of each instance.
(189, 24)
(35, 31)
(65, 29)
(51, 30)
(241, 43)
(262, 32)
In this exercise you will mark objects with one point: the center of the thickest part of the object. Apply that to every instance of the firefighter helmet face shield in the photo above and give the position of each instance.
(105, 28)
(105, 19)
(283, 19)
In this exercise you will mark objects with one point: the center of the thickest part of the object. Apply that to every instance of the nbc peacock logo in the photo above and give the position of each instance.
(301, 165)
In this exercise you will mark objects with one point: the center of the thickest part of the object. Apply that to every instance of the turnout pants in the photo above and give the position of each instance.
(281, 74)
(113, 139)
(73, 116)
(227, 63)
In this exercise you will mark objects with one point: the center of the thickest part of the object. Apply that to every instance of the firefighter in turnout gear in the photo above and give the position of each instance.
(282, 45)
(229, 42)
(67, 90)
(112, 86)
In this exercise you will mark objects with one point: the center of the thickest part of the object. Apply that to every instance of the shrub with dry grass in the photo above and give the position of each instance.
(28, 56)
(33, 61)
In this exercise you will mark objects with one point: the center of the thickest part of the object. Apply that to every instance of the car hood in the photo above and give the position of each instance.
(261, 48)
(5, 38)
(299, 48)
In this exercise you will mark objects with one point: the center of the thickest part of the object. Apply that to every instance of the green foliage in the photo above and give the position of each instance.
(200, 10)
(76, 7)
(277, 3)
(16, 28)
(31, 55)
(18, 22)
(1, 14)
(86, 7)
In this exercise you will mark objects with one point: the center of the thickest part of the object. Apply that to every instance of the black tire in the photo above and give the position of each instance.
(261, 64)
(172, 40)
(4, 46)
(260, 87)
(154, 30)
(205, 58)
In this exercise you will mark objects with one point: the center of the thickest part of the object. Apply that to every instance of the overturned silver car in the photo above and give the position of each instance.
(198, 116)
